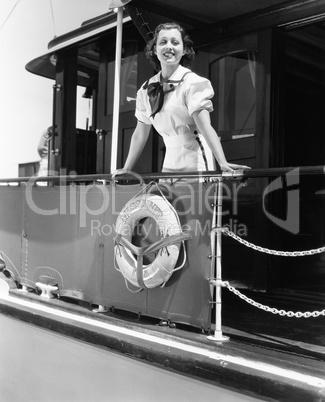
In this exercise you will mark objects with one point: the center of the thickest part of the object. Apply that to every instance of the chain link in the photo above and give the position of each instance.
(268, 251)
(272, 310)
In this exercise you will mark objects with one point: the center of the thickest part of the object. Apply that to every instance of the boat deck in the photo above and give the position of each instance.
(267, 356)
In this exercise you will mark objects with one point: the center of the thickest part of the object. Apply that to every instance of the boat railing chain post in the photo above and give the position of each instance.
(216, 260)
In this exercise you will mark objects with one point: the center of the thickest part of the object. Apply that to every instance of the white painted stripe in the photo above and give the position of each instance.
(255, 365)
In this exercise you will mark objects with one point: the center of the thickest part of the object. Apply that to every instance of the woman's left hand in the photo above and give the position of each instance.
(232, 167)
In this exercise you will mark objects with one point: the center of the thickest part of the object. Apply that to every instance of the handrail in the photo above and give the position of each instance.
(280, 171)
(215, 280)
(240, 174)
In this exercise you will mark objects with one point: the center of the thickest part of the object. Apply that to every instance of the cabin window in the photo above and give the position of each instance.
(88, 66)
(128, 77)
(84, 107)
(233, 77)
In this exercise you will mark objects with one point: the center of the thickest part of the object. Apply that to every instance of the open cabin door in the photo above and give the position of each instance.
(135, 69)
(299, 140)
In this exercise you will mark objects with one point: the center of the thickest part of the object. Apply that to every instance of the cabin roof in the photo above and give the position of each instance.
(45, 65)
(200, 12)
(205, 20)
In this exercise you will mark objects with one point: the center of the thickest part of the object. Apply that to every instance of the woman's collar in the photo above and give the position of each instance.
(177, 74)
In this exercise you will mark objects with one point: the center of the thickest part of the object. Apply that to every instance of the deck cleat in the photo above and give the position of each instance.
(47, 290)
(100, 309)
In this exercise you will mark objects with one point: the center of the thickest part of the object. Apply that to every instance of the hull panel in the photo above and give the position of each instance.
(65, 237)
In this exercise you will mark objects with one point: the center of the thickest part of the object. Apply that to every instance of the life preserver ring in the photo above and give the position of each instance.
(160, 270)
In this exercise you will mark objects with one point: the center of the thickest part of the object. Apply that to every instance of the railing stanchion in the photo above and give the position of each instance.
(216, 233)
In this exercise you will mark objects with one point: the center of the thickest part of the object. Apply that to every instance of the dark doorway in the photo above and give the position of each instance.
(304, 84)
(300, 141)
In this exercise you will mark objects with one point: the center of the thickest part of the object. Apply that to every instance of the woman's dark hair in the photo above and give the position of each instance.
(186, 60)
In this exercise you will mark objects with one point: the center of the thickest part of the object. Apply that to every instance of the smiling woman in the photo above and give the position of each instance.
(177, 103)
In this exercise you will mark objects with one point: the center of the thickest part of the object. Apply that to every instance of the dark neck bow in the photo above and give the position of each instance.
(156, 97)
(156, 93)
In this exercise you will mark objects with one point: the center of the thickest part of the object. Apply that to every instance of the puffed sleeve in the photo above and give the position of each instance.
(198, 94)
(141, 112)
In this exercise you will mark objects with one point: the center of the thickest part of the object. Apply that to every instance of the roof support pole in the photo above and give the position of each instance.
(117, 79)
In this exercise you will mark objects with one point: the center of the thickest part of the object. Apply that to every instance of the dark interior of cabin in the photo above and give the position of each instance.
(301, 100)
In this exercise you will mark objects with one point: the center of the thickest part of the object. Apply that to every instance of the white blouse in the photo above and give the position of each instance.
(185, 93)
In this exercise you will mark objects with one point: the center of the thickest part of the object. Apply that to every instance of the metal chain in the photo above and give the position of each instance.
(272, 310)
(268, 251)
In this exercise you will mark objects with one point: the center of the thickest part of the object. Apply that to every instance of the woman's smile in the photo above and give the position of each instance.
(169, 53)
(169, 48)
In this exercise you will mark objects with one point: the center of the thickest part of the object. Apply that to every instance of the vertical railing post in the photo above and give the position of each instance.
(216, 241)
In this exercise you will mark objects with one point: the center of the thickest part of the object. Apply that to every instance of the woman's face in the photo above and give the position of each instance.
(169, 48)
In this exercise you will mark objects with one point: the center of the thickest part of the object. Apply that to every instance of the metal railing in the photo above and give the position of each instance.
(240, 174)
(217, 229)
(217, 232)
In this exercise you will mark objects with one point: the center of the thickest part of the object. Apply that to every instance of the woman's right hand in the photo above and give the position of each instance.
(119, 172)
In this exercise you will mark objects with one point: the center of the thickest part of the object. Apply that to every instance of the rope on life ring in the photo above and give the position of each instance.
(167, 249)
